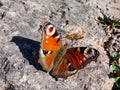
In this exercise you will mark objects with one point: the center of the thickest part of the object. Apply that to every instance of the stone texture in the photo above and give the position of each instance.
(20, 42)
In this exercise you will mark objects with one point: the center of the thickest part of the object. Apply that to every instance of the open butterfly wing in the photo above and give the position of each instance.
(50, 38)
(50, 43)
(73, 60)
(81, 56)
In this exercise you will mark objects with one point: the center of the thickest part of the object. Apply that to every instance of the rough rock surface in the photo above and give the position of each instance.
(20, 42)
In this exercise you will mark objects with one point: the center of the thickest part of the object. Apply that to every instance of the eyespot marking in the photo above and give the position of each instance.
(50, 30)
(70, 67)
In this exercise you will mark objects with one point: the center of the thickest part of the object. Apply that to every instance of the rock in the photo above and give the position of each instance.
(5, 86)
(20, 42)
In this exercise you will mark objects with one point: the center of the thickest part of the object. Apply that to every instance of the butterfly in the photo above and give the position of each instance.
(60, 60)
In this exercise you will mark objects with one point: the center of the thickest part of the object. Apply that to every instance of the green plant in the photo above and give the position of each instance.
(115, 67)
(108, 22)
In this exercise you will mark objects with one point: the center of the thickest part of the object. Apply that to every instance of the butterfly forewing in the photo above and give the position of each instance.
(81, 56)
(50, 38)
(50, 43)
(73, 60)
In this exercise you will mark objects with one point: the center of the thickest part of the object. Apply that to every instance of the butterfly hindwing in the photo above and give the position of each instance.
(46, 60)
(61, 64)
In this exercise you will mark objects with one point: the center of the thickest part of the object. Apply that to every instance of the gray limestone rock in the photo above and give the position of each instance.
(20, 42)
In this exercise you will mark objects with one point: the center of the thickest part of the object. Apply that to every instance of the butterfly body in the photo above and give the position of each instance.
(60, 60)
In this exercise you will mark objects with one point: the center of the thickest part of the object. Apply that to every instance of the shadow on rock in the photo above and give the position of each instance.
(29, 49)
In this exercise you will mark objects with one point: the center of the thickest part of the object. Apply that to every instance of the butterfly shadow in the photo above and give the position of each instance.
(30, 50)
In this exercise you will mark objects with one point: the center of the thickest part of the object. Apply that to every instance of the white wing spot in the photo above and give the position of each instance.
(84, 59)
(47, 37)
(46, 41)
(57, 36)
